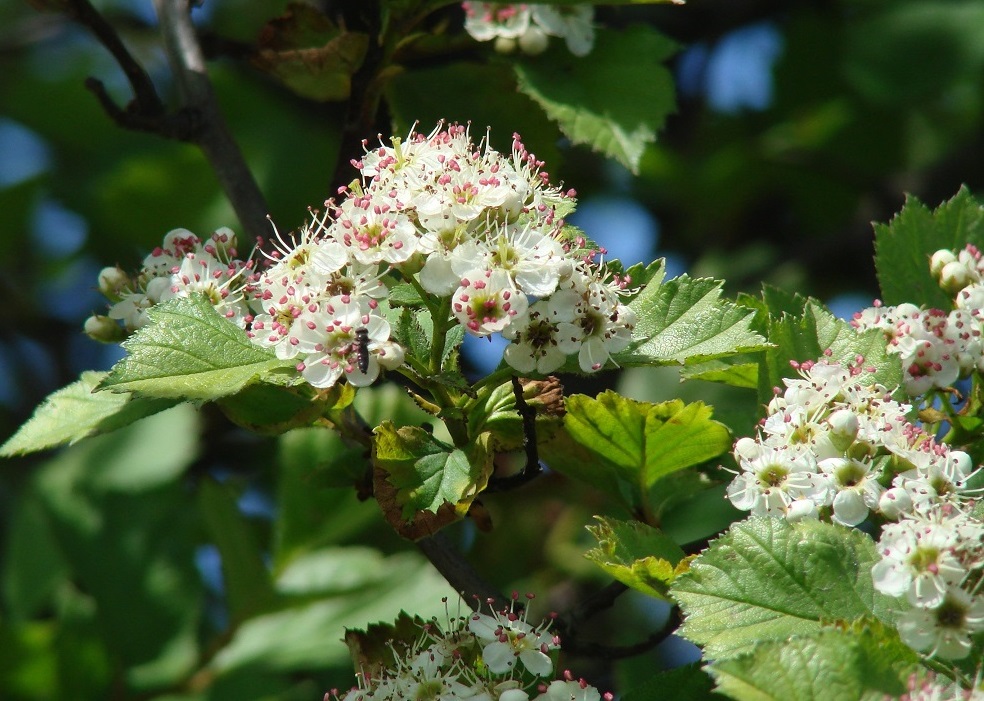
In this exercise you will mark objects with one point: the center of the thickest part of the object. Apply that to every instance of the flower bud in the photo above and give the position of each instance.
(954, 277)
(504, 45)
(103, 329)
(894, 502)
(843, 428)
(940, 259)
(112, 282)
(533, 41)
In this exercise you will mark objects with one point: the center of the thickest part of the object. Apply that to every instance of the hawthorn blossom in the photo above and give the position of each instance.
(486, 301)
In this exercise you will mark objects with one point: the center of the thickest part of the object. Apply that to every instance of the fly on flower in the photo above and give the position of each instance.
(362, 348)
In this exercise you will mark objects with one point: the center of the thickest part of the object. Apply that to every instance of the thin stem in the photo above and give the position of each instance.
(188, 64)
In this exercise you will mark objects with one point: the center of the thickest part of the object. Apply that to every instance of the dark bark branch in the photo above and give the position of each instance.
(567, 625)
(188, 64)
(144, 93)
(460, 574)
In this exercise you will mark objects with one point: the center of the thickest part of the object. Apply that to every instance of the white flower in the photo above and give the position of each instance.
(506, 638)
(857, 489)
(570, 691)
(771, 482)
(945, 630)
(328, 338)
(485, 21)
(486, 301)
(534, 345)
(573, 23)
(918, 561)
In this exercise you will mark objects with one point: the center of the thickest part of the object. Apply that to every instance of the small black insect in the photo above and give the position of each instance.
(362, 349)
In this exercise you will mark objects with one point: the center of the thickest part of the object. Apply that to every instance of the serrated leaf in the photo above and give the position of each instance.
(618, 118)
(836, 663)
(636, 554)
(404, 295)
(641, 441)
(904, 245)
(685, 321)
(416, 475)
(818, 334)
(271, 409)
(76, 412)
(188, 351)
(767, 579)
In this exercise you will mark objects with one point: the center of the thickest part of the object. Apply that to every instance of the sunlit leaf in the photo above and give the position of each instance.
(686, 321)
(618, 118)
(844, 663)
(188, 351)
(767, 579)
(76, 412)
(904, 245)
(637, 555)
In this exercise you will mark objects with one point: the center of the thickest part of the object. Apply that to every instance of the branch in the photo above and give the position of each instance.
(188, 64)
(459, 573)
(568, 623)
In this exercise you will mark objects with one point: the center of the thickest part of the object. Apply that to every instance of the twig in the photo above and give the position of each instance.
(568, 623)
(186, 59)
(532, 468)
(144, 93)
(459, 573)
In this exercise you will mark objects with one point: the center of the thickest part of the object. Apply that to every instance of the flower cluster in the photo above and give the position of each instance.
(478, 235)
(834, 447)
(935, 560)
(936, 346)
(183, 264)
(832, 444)
(482, 657)
(529, 26)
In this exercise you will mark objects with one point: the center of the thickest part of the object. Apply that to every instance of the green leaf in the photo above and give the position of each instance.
(685, 321)
(309, 54)
(123, 523)
(427, 474)
(767, 579)
(404, 295)
(636, 554)
(904, 245)
(818, 334)
(406, 581)
(271, 409)
(76, 412)
(248, 588)
(728, 373)
(644, 442)
(836, 663)
(618, 118)
(189, 351)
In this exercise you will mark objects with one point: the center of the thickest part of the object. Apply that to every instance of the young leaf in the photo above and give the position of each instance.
(188, 351)
(618, 118)
(685, 321)
(637, 555)
(767, 579)
(423, 484)
(309, 54)
(904, 245)
(76, 412)
(643, 441)
(843, 663)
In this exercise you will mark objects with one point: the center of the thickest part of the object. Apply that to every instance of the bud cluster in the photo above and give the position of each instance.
(478, 234)
(482, 657)
(530, 26)
(937, 347)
